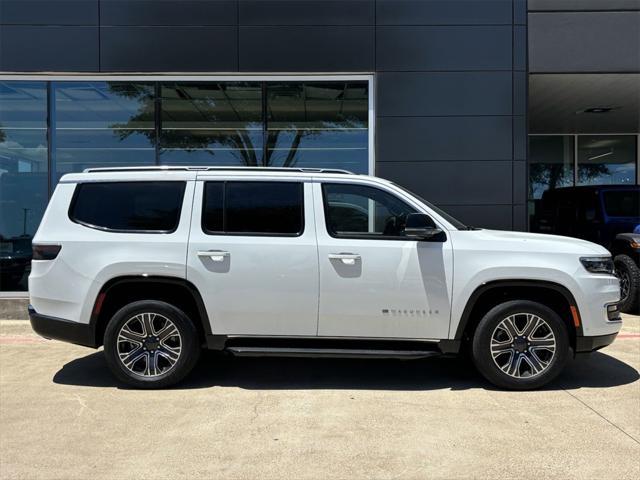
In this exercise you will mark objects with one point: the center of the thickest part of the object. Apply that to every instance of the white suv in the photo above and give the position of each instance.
(154, 263)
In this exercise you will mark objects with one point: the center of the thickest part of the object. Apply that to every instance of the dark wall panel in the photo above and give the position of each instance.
(306, 49)
(169, 49)
(444, 93)
(520, 138)
(519, 48)
(520, 80)
(519, 182)
(520, 12)
(49, 12)
(64, 48)
(499, 217)
(168, 12)
(584, 42)
(423, 139)
(443, 12)
(443, 48)
(307, 12)
(483, 183)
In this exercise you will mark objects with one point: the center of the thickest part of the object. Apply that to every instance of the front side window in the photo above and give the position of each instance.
(152, 207)
(361, 211)
(253, 208)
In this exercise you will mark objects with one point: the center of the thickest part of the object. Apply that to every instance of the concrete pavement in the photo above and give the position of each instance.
(62, 415)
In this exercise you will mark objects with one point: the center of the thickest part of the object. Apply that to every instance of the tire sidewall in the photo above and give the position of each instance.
(482, 341)
(189, 337)
(627, 266)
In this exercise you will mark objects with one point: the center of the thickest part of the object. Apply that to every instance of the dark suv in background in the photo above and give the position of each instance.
(605, 214)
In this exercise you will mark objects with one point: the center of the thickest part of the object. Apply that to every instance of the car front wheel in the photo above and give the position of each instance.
(151, 344)
(520, 345)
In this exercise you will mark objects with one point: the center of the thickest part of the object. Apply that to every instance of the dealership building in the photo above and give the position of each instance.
(476, 105)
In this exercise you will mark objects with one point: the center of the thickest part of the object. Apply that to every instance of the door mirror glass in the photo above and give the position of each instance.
(421, 226)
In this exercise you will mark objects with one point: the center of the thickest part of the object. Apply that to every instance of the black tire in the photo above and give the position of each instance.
(188, 338)
(628, 271)
(488, 326)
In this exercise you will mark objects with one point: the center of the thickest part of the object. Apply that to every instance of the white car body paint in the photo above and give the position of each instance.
(289, 286)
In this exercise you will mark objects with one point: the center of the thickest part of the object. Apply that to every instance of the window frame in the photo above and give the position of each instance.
(206, 231)
(78, 188)
(363, 236)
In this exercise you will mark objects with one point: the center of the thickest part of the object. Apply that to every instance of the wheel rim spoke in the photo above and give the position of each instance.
(523, 345)
(131, 336)
(149, 345)
(168, 331)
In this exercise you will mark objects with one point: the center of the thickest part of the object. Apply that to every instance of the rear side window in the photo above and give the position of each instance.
(253, 208)
(128, 206)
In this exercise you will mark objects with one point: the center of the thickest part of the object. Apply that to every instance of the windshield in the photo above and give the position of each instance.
(453, 221)
(622, 203)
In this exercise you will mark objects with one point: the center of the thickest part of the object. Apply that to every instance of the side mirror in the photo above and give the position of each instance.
(420, 226)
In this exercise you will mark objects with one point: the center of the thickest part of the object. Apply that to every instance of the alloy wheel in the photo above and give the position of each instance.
(149, 345)
(523, 345)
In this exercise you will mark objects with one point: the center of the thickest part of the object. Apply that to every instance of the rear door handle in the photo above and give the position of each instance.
(346, 258)
(214, 255)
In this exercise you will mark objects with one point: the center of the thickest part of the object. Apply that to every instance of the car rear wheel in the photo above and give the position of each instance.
(629, 275)
(151, 344)
(520, 345)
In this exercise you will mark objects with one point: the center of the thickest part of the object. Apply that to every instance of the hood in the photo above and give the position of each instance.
(538, 242)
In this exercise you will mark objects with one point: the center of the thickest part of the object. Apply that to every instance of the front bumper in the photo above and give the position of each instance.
(64, 330)
(591, 344)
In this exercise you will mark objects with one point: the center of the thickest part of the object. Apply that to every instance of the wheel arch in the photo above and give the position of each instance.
(120, 291)
(551, 294)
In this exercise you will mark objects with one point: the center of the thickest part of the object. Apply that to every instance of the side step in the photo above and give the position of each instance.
(329, 352)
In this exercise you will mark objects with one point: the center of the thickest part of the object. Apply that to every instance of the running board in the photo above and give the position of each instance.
(329, 352)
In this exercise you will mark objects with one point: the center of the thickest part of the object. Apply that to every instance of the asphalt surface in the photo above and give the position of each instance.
(62, 415)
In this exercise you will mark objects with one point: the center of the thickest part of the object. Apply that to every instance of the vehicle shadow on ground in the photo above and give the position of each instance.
(596, 370)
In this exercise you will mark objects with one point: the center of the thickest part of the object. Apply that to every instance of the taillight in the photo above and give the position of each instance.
(46, 252)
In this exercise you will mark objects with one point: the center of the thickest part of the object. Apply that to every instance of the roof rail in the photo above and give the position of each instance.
(209, 169)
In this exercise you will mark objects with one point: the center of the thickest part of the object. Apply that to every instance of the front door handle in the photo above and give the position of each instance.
(346, 258)
(214, 255)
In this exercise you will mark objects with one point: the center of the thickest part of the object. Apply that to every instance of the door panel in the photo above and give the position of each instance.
(383, 288)
(256, 284)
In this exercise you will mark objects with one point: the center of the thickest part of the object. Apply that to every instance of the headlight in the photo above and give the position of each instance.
(598, 264)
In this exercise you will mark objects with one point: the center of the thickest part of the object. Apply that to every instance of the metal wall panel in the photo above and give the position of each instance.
(443, 12)
(444, 93)
(45, 48)
(306, 49)
(307, 12)
(443, 48)
(426, 139)
(497, 217)
(483, 183)
(169, 12)
(48, 12)
(169, 49)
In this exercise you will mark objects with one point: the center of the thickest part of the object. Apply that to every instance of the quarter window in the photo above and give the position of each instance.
(253, 208)
(128, 206)
(363, 212)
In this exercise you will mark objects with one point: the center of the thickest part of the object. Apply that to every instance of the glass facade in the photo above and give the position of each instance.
(51, 128)
(606, 160)
(23, 176)
(565, 161)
